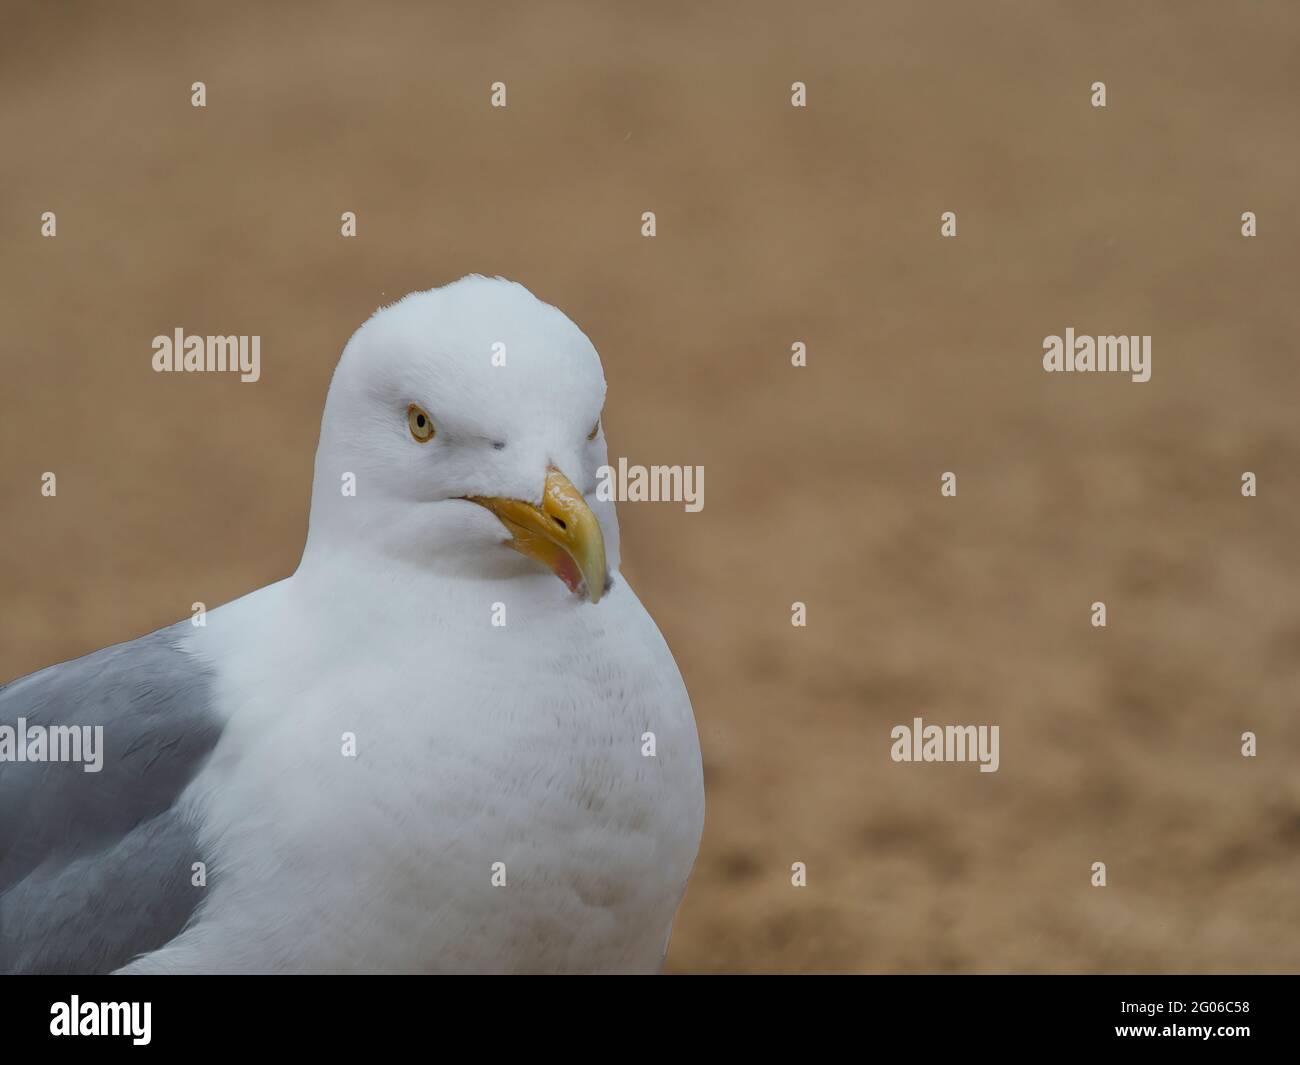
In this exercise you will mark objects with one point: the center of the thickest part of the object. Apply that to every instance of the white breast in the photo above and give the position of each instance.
(483, 753)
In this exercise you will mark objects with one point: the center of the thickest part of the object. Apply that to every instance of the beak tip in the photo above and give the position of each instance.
(603, 591)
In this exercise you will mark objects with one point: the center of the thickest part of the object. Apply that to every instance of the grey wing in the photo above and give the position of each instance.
(95, 867)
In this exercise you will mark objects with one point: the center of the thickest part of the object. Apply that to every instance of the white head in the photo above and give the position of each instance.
(466, 416)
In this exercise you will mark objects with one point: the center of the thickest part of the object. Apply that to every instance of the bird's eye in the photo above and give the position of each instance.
(421, 424)
(594, 430)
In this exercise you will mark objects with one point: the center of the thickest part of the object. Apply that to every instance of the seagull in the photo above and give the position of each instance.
(420, 753)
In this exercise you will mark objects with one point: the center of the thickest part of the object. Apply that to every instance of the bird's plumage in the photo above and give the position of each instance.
(376, 773)
(95, 867)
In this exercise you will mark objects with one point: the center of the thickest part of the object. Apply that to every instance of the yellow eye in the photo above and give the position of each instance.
(594, 430)
(421, 424)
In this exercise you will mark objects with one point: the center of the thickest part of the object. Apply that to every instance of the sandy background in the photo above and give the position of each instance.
(775, 225)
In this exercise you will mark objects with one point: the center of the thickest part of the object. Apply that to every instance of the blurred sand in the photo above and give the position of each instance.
(775, 225)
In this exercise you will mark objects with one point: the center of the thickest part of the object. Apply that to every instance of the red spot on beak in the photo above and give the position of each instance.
(567, 570)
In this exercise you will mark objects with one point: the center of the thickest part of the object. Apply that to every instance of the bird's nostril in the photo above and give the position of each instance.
(559, 522)
(499, 445)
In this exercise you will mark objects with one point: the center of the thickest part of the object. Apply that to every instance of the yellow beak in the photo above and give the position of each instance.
(563, 534)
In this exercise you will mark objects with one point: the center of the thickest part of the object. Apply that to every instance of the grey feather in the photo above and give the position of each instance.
(95, 867)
